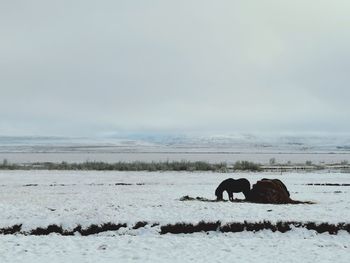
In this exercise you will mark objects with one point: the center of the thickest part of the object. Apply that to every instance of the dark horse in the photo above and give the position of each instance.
(231, 186)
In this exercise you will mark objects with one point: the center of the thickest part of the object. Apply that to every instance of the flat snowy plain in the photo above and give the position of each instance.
(70, 198)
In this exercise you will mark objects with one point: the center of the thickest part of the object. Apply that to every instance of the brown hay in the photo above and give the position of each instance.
(203, 199)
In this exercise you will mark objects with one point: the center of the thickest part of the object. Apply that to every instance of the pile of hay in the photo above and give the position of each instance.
(271, 191)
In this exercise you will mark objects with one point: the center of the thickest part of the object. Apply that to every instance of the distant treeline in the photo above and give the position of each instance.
(135, 166)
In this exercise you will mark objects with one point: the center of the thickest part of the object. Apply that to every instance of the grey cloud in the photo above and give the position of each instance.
(72, 67)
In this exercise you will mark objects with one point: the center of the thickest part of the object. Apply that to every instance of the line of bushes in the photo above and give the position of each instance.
(121, 166)
(247, 166)
(136, 166)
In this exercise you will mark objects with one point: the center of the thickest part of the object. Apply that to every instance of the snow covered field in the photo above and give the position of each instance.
(70, 198)
(264, 246)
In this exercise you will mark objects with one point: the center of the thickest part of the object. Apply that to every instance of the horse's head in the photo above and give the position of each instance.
(245, 188)
(246, 193)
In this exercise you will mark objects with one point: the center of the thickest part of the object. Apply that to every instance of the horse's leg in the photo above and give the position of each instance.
(230, 195)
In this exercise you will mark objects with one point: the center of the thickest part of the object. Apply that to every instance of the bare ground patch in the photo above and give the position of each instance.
(326, 184)
(183, 228)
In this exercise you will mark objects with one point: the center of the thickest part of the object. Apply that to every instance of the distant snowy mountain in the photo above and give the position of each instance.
(179, 143)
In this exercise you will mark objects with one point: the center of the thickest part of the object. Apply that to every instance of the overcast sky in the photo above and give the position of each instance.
(97, 67)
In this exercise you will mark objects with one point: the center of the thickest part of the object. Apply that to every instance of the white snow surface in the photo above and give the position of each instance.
(68, 198)
(298, 245)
